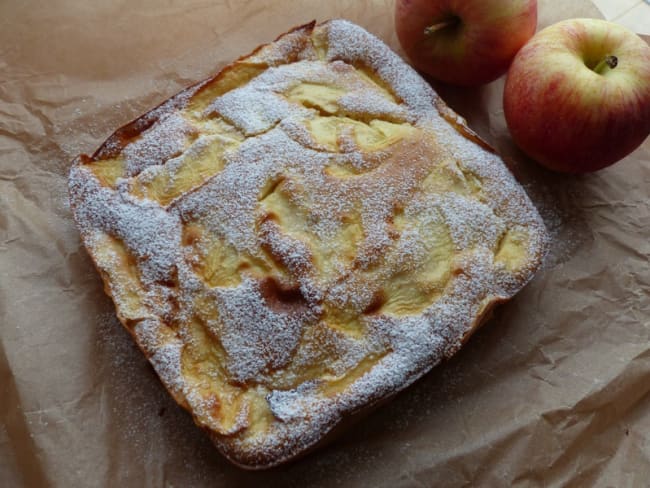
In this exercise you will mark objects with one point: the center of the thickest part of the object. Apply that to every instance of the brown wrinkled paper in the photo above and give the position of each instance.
(553, 391)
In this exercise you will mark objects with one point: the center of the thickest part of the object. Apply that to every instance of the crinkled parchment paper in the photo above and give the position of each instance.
(553, 391)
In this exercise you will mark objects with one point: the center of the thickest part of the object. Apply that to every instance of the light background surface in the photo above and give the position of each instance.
(633, 14)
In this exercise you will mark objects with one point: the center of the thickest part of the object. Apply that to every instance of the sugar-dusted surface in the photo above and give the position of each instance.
(347, 245)
(158, 144)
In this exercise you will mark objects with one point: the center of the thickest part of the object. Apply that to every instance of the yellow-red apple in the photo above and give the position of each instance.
(464, 42)
(577, 95)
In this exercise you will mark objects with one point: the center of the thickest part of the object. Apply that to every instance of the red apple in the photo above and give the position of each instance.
(464, 42)
(577, 96)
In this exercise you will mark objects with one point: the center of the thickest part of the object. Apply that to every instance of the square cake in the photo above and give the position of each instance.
(301, 236)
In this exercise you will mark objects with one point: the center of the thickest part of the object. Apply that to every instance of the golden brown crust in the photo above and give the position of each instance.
(300, 237)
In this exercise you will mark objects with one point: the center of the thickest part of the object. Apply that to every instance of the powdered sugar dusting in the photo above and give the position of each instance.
(149, 233)
(310, 228)
(350, 42)
(470, 222)
(256, 338)
(162, 141)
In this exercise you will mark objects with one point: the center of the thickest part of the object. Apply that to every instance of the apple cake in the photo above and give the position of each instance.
(301, 236)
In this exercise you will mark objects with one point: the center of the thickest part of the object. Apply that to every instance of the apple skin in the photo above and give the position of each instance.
(565, 115)
(477, 49)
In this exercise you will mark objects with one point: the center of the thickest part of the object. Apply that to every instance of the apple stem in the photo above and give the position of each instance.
(432, 29)
(608, 61)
